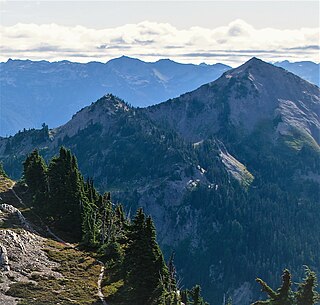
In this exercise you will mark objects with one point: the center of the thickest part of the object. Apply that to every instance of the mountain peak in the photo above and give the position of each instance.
(254, 62)
(257, 68)
(125, 59)
(112, 101)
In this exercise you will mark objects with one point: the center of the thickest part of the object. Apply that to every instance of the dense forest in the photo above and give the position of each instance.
(72, 205)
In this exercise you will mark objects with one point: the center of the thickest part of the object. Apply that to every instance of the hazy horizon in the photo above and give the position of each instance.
(152, 61)
(229, 32)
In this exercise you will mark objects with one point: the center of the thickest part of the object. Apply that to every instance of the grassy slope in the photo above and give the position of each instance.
(77, 286)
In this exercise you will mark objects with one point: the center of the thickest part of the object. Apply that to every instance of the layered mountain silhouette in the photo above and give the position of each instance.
(307, 70)
(229, 173)
(36, 92)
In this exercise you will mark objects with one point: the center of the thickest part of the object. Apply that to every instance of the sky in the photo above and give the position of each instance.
(230, 32)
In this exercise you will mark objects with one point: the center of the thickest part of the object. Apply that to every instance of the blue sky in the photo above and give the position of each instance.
(185, 31)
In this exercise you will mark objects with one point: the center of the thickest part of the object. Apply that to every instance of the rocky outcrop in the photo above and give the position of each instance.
(21, 253)
(236, 169)
(7, 208)
(4, 261)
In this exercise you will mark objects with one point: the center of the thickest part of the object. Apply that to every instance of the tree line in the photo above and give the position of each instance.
(71, 204)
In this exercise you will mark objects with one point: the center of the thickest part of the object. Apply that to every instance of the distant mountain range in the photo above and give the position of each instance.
(36, 92)
(307, 70)
(229, 172)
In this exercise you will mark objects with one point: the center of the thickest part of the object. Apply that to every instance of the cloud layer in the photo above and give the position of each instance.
(151, 41)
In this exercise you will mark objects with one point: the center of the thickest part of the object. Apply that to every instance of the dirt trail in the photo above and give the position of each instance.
(100, 294)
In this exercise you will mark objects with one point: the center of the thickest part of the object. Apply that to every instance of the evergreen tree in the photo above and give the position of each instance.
(66, 192)
(107, 218)
(35, 175)
(2, 172)
(90, 225)
(283, 296)
(147, 274)
(306, 294)
(195, 294)
(229, 302)
(185, 297)
(172, 274)
(35, 172)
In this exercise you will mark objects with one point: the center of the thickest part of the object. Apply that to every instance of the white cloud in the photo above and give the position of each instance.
(231, 44)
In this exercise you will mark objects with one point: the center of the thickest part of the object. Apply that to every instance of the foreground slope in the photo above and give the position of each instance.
(229, 172)
(33, 266)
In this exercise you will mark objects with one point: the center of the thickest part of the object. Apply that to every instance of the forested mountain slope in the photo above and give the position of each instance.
(229, 173)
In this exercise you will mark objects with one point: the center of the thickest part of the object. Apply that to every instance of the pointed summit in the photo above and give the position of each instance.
(244, 98)
(255, 64)
(102, 112)
(255, 60)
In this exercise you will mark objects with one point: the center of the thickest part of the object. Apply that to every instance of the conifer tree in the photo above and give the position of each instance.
(66, 192)
(35, 175)
(147, 274)
(88, 224)
(185, 297)
(283, 296)
(195, 294)
(306, 294)
(34, 170)
(172, 274)
(229, 302)
(2, 172)
(106, 218)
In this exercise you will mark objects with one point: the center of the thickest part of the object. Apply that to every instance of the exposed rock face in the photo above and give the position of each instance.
(236, 168)
(4, 261)
(21, 254)
(7, 208)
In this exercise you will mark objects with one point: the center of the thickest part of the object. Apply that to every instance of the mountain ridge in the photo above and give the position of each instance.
(36, 92)
(180, 161)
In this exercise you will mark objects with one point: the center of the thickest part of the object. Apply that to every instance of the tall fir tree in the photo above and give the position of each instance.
(66, 192)
(35, 175)
(306, 294)
(172, 274)
(147, 274)
(196, 297)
